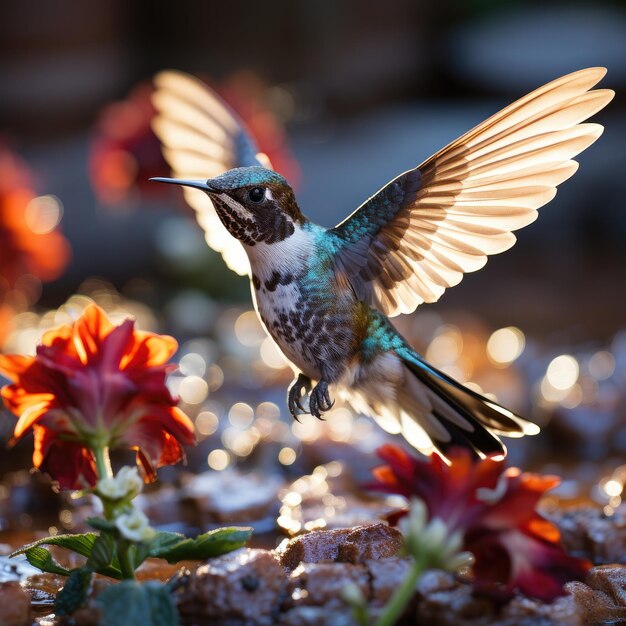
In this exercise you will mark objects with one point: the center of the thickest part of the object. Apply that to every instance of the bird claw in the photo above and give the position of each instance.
(294, 396)
(319, 401)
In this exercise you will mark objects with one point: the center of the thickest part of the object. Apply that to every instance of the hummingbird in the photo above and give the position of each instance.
(325, 295)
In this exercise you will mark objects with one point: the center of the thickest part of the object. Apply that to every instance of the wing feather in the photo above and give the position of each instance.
(443, 218)
(202, 138)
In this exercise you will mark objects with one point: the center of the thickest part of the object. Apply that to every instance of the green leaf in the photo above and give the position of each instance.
(164, 541)
(130, 603)
(42, 559)
(81, 544)
(174, 547)
(74, 592)
(103, 553)
(101, 524)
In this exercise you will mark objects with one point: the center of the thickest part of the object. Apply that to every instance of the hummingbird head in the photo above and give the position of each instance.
(255, 204)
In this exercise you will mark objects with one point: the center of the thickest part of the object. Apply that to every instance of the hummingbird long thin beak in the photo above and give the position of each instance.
(196, 184)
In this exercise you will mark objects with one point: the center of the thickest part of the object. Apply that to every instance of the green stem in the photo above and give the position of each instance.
(103, 462)
(127, 565)
(402, 596)
(360, 615)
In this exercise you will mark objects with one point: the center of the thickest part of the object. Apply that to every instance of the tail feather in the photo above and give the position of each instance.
(464, 417)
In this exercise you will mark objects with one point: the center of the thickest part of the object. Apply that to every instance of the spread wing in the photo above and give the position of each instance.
(421, 232)
(202, 138)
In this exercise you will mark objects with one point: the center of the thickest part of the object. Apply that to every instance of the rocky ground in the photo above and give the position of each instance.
(301, 582)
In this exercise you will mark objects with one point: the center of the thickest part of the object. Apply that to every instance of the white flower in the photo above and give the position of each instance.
(432, 542)
(129, 480)
(126, 483)
(135, 526)
(108, 488)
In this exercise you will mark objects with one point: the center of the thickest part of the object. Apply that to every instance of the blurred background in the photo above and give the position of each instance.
(342, 96)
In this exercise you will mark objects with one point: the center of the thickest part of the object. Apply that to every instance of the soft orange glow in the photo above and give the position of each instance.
(29, 242)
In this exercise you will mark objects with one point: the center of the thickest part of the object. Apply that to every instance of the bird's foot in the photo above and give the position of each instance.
(294, 396)
(320, 401)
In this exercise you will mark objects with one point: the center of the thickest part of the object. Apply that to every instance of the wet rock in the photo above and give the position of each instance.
(611, 579)
(313, 547)
(377, 541)
(453, 607)
(527, 611)
(607, 538)
(435, 580)
(352, 545)
(14, 605)
(320, 584)
(233, 497)
(245, 586)
(602, 598)
(316, 616)
(594, 606)
(587, 532)
(573, 525)
(386, 575)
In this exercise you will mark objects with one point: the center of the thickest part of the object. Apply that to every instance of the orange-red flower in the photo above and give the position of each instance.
(514, 547)
(125, 153)
(27, 246)
(94, 385)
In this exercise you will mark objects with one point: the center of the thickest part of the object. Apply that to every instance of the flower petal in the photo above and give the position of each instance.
(60, 337)
(116, 344)
(511, 560)
(29, 417)
(158, 448)
(449, 491)
(495, 511)
(89, 330)
(69, 463)
(93, 381)
(149, 350)
(12, 365)
(18, 400)
(517, 505)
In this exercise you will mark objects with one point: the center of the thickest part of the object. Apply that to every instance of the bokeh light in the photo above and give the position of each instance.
(207, 423)
(601, 365)
(193, 389)
(271, 354)
(562, 372)
(43, 214)
(218, 459)
(505, 345)
(287, 456)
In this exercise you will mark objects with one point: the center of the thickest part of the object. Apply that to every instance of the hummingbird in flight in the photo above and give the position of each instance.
(325, 295)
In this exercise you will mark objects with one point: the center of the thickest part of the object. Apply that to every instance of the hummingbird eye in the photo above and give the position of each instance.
(256, 194)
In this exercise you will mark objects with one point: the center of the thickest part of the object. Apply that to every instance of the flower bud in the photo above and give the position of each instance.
(129, 481)
(126, 484)
(432, 542)
(109, 488)
(135, 526)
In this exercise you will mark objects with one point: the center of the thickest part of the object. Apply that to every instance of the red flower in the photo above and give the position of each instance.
(28, 246)
(246, 94)
(95, 385)
(125, 153)
(514, 547)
